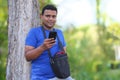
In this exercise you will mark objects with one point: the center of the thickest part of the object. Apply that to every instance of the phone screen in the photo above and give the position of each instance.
(53, 34)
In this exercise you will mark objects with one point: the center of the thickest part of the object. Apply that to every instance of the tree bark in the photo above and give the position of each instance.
(23, 14)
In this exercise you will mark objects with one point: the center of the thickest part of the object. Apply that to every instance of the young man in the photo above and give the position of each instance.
(36, 46)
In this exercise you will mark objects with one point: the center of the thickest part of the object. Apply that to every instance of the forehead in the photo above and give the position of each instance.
(50, 12)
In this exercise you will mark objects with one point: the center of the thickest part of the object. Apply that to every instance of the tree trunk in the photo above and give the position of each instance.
(23, 14)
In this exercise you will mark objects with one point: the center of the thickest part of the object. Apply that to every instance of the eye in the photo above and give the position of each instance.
(47, 16)
(54, 16)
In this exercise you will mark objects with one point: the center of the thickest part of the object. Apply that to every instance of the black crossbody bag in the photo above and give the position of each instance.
(59, 62)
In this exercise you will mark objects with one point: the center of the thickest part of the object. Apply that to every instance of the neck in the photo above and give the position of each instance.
(47, 28)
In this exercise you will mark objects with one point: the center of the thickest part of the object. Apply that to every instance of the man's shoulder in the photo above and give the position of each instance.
(58, 30)
(35, 28)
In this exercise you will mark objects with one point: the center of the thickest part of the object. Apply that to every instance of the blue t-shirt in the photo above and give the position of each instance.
(41, 69)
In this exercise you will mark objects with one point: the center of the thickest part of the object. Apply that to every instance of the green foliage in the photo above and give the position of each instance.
(2, 66)
(86, 56)
(114, 32)
(3, 21)
(3, 38)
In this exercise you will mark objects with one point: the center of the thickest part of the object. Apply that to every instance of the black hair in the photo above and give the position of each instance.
(49, 7)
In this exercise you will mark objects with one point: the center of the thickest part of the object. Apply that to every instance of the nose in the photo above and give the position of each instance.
(51, 18)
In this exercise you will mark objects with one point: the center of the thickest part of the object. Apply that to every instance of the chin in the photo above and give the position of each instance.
(51, 26)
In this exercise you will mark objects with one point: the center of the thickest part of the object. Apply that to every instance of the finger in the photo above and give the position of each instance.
(52, 38)
(46, 40)
(49, 46)
(52, 41)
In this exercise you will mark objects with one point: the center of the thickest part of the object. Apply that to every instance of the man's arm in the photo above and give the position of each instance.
(32, 53)
(64, 49)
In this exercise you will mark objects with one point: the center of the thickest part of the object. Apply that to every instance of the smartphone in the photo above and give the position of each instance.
(53, 34)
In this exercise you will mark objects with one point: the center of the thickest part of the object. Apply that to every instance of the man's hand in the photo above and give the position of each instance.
(48, 43)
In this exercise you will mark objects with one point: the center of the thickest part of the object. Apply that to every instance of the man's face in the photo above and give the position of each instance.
(49, 18)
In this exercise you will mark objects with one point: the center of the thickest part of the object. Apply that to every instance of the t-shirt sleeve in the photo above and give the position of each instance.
(63, 39)
(64, 42)
(31, 38)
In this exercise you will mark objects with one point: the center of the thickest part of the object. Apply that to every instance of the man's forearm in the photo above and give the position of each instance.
(33, 53)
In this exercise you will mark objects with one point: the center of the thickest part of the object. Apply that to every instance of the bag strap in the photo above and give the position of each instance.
(49, 52)
(60, 44)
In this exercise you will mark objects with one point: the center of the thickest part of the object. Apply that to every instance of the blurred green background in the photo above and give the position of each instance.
(90, 47)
